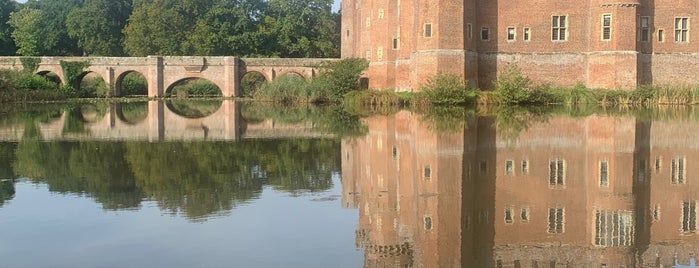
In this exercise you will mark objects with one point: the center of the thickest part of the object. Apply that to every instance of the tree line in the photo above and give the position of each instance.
(245, 28)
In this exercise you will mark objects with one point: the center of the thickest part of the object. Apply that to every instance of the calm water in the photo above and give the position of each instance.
(224, 184)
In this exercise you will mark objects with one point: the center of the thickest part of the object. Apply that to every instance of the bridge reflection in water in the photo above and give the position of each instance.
(155, 120)
(597, 191)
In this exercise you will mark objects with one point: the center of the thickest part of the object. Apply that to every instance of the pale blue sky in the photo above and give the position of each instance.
(336, 5)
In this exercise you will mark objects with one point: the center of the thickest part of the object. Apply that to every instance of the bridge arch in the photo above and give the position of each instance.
(130, 83)
(51, 76)
(194, 86)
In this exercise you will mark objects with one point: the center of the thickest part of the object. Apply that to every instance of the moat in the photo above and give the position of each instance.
(221, 184)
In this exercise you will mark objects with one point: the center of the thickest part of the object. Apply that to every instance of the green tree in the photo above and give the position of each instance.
(7, 45)
(53, 20)
(228, 28)
(28, 32)
(301, 28)
(97, 26)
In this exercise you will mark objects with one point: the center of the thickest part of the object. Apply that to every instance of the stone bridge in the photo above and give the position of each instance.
(162, 73)
(157, 121)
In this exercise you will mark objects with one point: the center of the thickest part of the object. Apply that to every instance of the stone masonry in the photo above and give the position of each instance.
(597, 43)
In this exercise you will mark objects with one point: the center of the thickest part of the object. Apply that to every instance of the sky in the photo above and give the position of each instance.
(336, 5)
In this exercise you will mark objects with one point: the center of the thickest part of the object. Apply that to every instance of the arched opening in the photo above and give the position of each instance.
(197, 108)
(92, 113)
(193, 87)
(130, 84)
(250, 82)
(51, 76)
(132, 113)
(92, 85)
(292, 76)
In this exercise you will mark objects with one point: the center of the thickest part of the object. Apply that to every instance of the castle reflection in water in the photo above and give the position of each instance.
(596, 191)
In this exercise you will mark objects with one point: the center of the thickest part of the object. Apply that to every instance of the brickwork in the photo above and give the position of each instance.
(598, 43)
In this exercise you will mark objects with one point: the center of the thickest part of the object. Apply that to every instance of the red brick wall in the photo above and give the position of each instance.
(583, 57)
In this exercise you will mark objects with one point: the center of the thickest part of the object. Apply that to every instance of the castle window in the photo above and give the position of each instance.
(379, 53)
(368, 22)
(526, 34)
(427, 172)
(469, 31)
(509, 167)
(559, 26)
(556, 220)
(428, 222)
(678, 171)
(614, 228)
(681, 30)
(380, 13)
(511, 34)
(348, 33)
(644, 32)
(607, 27)
(557, 172)
(428, 30)
(367, 54)
(524, 214)
(689, 216)
(525, 167)
(661, 36)
(508, 215)
(485, 33)
(604, 174)
(396, 43)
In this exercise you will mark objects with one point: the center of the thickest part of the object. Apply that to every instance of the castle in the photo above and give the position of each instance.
(597, 43)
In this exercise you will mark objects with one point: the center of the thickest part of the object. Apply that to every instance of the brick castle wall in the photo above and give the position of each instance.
(409, 41)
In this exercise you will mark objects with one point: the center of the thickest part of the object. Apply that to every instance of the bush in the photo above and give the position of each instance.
(134, 84)
(31, 82)
(448, 89)
(343, 76)
(511, 87)
(196, 87)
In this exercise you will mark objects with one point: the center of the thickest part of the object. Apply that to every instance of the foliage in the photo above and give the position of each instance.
(7, 45)
(97, 25)
(447, 89)
(194, 108)
(445, 119)
(92, 86)
(251, 82)
(53, 21)
(134, 84)
(195, 87)
(301, 29)
(511, 87)
(72, 72)
(29, 81)
(30, 64)
(285, 89)
(342, 76)
(8, 78)
(29, 34)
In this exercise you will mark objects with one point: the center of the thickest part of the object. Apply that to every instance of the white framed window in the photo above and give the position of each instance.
(614, 228)
(427, 172)
(367, 54)
(604, 174)
(644, 29)
(524, 214)
(527, 34)
(556, 220)
(509, 167)
(682, 30)
(525, 167)
(380, 15)
(678, 170)
(508, 215)
(661, 35)
(379, 53)
(396, 43)
(469, 31)
(689, 217)
(557, 172)
(427, 30)
(559, 28)
(511, 33)
(368, 22)
(427, 220)
(607, 27)
(485, 33)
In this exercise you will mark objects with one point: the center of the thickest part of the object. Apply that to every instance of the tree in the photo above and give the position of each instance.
(29, 33)
(53, 23)
(97, 26)
(228, 28)
(7, 45)
(302, 28)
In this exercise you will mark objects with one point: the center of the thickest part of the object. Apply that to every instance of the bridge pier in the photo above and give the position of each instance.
(155, 76)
